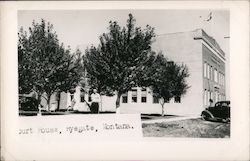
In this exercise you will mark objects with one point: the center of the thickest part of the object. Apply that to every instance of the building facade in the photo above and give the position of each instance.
(206, 64)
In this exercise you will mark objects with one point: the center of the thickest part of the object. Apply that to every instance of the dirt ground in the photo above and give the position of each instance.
(194, 128)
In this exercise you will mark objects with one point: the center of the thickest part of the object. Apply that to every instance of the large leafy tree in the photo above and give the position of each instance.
(113, 66)
(44, 63)
(166, 78)
(70, 75)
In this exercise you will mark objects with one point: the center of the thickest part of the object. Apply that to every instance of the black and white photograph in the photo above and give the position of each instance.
(124, 80)
(169, 66)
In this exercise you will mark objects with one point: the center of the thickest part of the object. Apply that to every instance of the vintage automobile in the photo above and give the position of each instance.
(27, 103)
(219, 112)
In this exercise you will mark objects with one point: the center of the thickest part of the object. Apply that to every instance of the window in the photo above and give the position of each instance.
(205, 97)
(134, 95)
(223, 80)
(215, 75)
(177, 99)
(89, 97)
(208, 72)
(166, 100)
(205, 70)
(82, 95)
(211, 73)
(212, 95)
(144, 95)
(209, 96)
(219, 81)
(125, 98)
(71, 97)
(155, 98)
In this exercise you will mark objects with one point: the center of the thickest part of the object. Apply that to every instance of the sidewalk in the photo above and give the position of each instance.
(170, 119)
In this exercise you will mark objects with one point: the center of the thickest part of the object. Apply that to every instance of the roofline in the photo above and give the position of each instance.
(204, 36)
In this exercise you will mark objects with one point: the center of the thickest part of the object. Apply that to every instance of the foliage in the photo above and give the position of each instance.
(114, 65)
(44, 63)
(167, 78)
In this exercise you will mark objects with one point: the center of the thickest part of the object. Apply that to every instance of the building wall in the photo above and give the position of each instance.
(181, 48)
(213, 59)
(188, 48)
(213, 77)
(54, 102)
(81, 97)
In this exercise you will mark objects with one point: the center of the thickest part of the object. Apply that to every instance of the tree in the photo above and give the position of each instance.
(70, 75)
(44, 63)
(113, 66)
(167, 80)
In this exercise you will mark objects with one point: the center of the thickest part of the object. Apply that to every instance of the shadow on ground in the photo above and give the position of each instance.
(61, 112)
(156, 116)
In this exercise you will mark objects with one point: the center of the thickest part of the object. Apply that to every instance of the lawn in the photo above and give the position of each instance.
(195, 128)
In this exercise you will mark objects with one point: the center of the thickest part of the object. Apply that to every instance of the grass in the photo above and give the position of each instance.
(195, 128)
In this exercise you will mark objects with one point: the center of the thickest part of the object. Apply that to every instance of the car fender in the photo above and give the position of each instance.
(208, 112)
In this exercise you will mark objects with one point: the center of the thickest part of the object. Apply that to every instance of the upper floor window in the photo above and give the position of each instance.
(223, 80)
(134, 95)
(144, 95)
(211, 73)
(155, 98)
(215, 75)
(208, 71)
(205, 70)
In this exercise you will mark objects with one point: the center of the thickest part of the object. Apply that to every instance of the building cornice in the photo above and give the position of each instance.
(208, 44)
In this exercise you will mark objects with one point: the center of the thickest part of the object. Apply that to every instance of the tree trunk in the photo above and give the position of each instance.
(162, 110)
(58, 100)
(162, 106)
(39, 103)
(100, 105)
(117, 103)
(48, 101)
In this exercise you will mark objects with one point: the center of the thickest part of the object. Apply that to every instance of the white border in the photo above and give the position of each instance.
(235, 148)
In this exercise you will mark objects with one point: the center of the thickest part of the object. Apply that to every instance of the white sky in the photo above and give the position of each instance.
(83, 27)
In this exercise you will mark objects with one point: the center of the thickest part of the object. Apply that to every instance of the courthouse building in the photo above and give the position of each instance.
(206, 64)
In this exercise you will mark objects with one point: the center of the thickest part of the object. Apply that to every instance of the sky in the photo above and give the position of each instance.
(82, 28)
